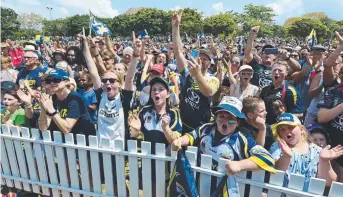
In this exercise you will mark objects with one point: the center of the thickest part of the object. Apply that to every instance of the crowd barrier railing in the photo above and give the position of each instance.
(62, 167)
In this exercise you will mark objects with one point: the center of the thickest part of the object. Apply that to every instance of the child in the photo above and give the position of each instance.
(319, 135)
(295, 153)
(13, 114)
(255, 126)
(89, 95)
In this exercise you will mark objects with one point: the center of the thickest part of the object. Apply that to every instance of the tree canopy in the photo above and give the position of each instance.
(158, 22)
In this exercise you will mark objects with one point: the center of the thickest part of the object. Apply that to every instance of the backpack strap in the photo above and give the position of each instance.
(284, 91)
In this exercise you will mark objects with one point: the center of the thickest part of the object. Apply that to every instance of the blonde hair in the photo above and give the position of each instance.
(119, 75)
(306, 137)
(250, 104)
(6, 59)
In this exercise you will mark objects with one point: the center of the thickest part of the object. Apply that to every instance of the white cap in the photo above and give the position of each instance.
(244, 67)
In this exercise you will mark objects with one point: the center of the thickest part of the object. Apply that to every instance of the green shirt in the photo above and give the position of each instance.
(18, 117)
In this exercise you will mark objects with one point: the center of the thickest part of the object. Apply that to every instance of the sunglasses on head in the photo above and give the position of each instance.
(111, 80)
(247, 73)
(52, 80)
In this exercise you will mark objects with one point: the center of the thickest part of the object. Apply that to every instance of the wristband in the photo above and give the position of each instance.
(52, 114)
(96, 55)
(29, 105)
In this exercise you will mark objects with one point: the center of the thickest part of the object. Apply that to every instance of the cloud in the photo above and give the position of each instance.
(218, 7)
(64, 11)
(102, 8)
(281, 7)
(177, 7)
(30, 2)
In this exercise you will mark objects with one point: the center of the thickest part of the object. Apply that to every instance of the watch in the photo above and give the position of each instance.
(52, 114)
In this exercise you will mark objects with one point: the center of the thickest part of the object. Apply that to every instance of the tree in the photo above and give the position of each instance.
(220, 24)
(290, 21)
(30, 24)
(316, 15)
(75, 23)
(302, 28)
(260, 13)
(56, 27)
(9, 23)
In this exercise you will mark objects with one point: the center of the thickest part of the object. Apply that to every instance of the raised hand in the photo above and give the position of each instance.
(260, 123)
(136, 45)
(285, 148)
(26, 98)
(194, 67)
(328, 154)
(176, 18)
(254, 30)
(134, 122)
(339, 37)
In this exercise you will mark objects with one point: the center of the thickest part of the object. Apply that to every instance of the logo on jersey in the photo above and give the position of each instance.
(192, 98)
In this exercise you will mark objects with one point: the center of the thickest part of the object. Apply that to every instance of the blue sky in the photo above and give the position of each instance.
(110, 8)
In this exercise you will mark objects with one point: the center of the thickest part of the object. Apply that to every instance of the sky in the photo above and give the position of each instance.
(109, 8)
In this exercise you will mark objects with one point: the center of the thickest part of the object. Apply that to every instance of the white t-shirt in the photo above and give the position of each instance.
(111, 119)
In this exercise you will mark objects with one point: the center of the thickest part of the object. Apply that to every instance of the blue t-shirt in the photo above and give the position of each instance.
(33, 76)
(90, 98)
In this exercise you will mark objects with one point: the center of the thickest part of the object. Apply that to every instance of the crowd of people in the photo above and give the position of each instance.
(261, 105)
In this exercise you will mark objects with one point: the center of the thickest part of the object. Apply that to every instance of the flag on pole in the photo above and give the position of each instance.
(98, 27)
(312, 39)
(144, 33)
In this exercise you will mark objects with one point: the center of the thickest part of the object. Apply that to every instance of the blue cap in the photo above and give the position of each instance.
(164, 50)
(231, 105)
(56, 73)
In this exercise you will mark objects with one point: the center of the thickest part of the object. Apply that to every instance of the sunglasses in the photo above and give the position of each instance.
(294, 55)
(235, 62)
(247, 73)
(53, 80)
(111, 80)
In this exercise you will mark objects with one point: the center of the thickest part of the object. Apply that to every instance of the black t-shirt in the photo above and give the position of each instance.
(332, 98)
(73, 106)
(251, 131)
(262, 74)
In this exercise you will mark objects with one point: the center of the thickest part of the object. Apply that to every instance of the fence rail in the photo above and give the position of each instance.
(55, 167)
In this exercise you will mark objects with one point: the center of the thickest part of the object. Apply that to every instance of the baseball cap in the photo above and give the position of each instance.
(285, 119)
(318, 128)
(60, 51)
(128, 50)
(159, 80)
(267, 46)
(244, 67)
(56, 73)
(206, 52)
(7, 85)
(318, 48)
(231, 105)
(158, 68)
(164, 50)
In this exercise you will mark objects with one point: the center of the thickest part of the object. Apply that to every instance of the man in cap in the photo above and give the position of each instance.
(32, 70)
(262, 72)
(198, 86)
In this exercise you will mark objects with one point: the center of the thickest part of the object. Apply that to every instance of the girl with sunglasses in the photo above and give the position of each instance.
(64, 110)
(113, 95)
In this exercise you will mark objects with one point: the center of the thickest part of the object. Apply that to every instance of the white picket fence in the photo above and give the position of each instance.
(53, 168)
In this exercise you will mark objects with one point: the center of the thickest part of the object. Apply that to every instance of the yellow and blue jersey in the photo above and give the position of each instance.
(151, 124)
(286, 93)
(234, 147)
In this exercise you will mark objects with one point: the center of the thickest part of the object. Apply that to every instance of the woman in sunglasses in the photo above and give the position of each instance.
(113, 94)
(65, 110)
(243, 88)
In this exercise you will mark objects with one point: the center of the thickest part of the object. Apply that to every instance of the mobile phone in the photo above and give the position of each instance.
(270, 51)
(195, 54)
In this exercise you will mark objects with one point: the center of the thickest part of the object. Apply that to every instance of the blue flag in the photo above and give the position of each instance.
(182, 182)
(98, 27)
(312, 39)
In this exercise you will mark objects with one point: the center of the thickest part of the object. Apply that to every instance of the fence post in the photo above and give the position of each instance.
(120, 163)
(133, 168)
(205, 180)
(93, 142)
(146, 170)
(71, 156)
(160, 171)
(107, 162)
(83, 163)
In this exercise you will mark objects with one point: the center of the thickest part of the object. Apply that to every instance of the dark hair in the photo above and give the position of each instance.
(79, 57)
(323, 132)
(12, 93)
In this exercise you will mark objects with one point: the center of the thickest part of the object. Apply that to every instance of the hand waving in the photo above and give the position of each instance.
(135, 124)
(330, 154)
(285, 148)
(26, 98)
